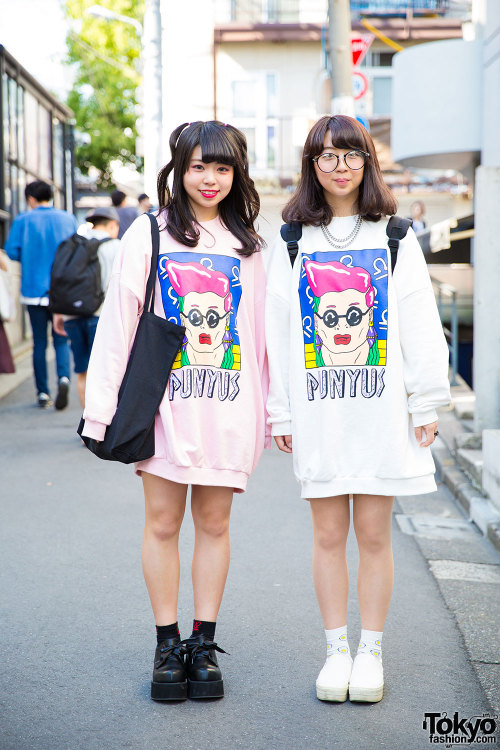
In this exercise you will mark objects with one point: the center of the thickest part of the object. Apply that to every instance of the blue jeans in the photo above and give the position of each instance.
(81, 332)
(40, 317)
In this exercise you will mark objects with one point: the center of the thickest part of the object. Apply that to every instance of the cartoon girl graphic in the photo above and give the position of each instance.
(205, 302)
(343, 314)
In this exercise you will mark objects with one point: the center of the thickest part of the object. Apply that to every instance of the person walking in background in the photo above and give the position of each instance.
(417, 210)
(33, 241)
(145, 204)
(6, 361)
(358, 366)
(210, 429)
(81, 329)
(127, 214)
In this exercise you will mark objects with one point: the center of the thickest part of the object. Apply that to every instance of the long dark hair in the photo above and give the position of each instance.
(308, 204)
(238, 211)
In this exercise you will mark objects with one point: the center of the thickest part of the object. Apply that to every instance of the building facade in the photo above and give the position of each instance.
(263, 66)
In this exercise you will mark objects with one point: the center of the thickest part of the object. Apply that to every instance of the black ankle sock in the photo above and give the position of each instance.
(166, 631)
(202, 627)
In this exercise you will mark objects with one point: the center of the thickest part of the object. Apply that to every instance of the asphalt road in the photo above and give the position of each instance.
(78, 635)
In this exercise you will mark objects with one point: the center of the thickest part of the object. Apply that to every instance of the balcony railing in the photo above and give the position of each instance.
(391, 7)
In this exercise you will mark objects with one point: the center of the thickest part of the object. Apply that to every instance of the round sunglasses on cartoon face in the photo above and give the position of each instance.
(342, 322)
(205, 320)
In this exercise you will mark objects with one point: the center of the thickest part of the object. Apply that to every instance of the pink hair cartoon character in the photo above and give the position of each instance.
(343, 314)
(205, 303)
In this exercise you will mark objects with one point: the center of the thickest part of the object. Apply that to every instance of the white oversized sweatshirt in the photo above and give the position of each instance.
(357, 359)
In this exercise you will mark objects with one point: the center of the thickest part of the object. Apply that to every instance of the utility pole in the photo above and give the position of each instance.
(153, 96)
(339, 45)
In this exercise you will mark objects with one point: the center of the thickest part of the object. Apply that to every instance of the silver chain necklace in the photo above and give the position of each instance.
(341, 243)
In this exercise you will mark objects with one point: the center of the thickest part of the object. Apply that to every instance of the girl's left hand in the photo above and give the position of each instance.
(428, 430)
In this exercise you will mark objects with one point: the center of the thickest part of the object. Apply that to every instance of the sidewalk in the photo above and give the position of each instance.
(79, 636)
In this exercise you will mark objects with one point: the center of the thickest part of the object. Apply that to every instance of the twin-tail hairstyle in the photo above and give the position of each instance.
(238, 211)
(308, 204)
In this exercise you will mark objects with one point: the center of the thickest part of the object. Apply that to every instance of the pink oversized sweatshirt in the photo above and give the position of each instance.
(211, 425)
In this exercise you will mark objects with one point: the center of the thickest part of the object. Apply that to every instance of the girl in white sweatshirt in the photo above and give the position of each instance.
(358, 365)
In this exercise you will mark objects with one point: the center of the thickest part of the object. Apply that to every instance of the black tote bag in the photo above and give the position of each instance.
(130, 436)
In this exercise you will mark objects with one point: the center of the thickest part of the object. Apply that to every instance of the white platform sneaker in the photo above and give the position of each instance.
(333, 680)
(367, 679)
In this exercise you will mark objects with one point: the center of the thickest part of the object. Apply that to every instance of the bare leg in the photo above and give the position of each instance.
(165, 505)
(211, 509)
(81, 382)
(372, 516)
(331, 518)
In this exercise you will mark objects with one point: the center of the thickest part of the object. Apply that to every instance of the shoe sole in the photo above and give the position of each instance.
(206, 689)
(335, 695)
(169, 691)
(366, 695)
(62, 396)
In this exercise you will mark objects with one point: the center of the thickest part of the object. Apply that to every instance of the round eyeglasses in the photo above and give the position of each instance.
(196, 318)
(328, 162)
(353, 317)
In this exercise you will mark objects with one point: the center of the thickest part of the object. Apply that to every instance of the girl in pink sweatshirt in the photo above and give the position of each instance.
(211, 426)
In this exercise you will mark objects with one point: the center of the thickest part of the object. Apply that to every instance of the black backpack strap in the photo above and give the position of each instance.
(397, 227)
(291, 234)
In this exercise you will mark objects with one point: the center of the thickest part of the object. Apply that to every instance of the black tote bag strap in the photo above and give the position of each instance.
(151, 285)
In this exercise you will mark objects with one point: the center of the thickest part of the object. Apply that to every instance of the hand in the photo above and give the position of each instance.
(428, 431)
(3, 263)
(58, 324)
(284, 443)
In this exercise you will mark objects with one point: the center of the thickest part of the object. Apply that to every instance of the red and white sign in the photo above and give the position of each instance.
(359, 84)
(359, 47)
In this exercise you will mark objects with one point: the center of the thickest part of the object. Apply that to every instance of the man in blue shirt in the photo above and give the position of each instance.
(33, 241)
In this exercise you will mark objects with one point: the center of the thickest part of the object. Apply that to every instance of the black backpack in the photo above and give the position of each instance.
(397, 228)
(75, 279)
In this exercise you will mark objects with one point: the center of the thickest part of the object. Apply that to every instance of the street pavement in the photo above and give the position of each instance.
(78, 635)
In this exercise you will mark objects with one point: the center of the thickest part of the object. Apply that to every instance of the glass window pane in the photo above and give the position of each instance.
(271, 146)
(31, 131)
(272, 99)
(5, 101)
(244, 97)
(250, 136)
(20, 124)
(13, 118)
(57, 127)
(382, 93)
(45, 144)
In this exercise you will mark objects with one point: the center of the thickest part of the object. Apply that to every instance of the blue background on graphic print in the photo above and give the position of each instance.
(373, 260)
(224, 263)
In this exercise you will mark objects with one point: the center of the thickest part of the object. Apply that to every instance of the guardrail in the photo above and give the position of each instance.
(448, 291)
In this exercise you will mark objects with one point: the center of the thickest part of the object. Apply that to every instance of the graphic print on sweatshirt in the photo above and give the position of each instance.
(343, 302)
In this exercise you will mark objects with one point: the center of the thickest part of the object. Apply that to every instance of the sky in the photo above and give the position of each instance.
(34, 32)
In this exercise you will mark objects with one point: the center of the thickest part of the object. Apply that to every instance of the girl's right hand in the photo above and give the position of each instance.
(284, 443)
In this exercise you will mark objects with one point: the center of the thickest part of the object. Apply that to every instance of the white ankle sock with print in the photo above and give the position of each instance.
(371, 643)
(336, 641)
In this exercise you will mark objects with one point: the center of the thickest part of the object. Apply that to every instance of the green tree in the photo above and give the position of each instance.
(106, 56)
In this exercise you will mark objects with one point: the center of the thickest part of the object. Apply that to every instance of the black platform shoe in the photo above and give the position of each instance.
(169, 673)
(203, 672)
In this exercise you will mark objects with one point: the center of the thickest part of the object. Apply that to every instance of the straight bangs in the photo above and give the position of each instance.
(216, 146)
(223, 144)
(308, 204)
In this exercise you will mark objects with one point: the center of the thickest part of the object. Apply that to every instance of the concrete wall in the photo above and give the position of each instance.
(436, 105)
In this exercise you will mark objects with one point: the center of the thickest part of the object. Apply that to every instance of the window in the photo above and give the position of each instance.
(382, 95)
(244, 98)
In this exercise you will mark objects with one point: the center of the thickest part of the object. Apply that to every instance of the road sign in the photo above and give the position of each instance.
(359, 47)
(359, 84)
